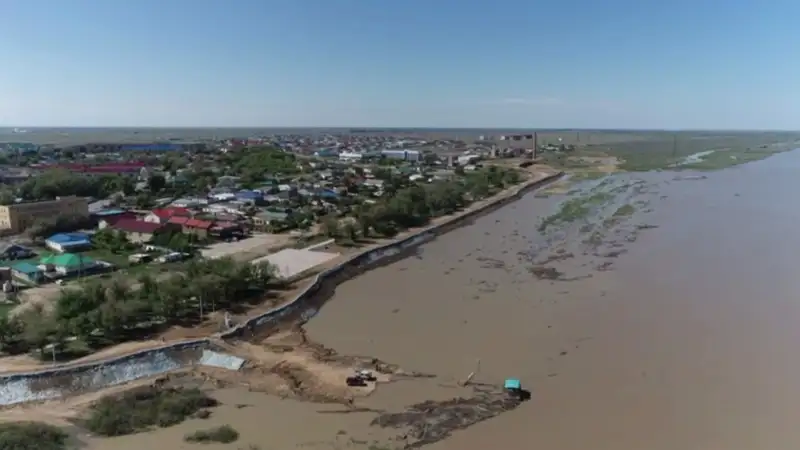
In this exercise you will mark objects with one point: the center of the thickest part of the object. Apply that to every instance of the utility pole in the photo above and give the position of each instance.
(674, 145)
(535, 144)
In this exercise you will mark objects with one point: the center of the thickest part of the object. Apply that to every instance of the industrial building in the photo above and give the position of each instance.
(327, 153)
(152, 147)
(405, 155)
(19, 216)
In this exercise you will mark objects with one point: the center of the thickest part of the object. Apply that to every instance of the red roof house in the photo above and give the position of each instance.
(178, 220)
(199, 224)
(136, 230)
(162, 215)
(194, 226)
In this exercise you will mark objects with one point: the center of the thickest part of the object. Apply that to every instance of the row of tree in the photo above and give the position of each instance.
(61, 182)
(406, 205)
(103, 313)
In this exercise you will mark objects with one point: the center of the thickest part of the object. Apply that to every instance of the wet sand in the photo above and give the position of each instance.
(687, 343)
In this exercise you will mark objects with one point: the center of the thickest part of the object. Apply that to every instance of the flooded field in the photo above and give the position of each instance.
(657, 311)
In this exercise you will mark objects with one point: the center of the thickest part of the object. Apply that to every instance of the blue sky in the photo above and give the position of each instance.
(436, 63)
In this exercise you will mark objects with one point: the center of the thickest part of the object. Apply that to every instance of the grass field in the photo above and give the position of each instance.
(665, 151)
(643, 151)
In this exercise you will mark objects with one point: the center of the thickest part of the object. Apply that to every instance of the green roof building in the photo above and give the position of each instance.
(68, 263)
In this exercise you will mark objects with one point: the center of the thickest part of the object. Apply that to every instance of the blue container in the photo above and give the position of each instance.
(512, 383)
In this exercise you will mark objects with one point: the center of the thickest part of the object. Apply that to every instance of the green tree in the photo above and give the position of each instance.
(156, 183)
(330, 226)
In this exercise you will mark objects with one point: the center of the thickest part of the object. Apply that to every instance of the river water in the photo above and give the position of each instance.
(687, 342)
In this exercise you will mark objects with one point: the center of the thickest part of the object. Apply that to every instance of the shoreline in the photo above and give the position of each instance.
(24, 386)
(377, 255)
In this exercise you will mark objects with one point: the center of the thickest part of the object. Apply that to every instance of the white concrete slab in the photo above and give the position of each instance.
(221, 360)
(290, 262)
(257, 242)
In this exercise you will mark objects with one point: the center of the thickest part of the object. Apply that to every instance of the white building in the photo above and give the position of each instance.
(464, 160)
(223, 196)
(351, 156)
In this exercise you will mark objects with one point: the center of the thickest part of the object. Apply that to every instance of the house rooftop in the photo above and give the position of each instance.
(166, 213)
(109, 212)
(68, 260)
(130, 225)
(26, 268)
(62, 238)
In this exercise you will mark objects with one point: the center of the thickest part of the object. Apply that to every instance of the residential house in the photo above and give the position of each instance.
(254, 197)
(68, 264)
(264, 218)
(227, 209)
(137, 231)
(68, 242)
(162, 215)
(27, 272)
(197, 227)
(226, 230)
(9, 251)
(273, 199)
(110, 215)
(327, 194)
(374, 183)
(228, 181)
(444, 174)
(222, 196)
(190, 202)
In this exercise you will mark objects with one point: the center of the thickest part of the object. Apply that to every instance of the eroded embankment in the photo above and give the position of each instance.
(64, 380)
(59, 382)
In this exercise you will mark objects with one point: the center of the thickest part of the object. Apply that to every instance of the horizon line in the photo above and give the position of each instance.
(306, 127)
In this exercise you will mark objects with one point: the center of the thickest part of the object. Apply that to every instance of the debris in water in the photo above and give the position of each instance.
(546, 273)
(432, 421)
(604, 266)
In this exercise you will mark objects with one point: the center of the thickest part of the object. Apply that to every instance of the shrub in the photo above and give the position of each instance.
(31, 435)
(141, 409)
(224, 434)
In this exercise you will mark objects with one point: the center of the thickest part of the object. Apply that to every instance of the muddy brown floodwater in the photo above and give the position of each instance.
(684, 339)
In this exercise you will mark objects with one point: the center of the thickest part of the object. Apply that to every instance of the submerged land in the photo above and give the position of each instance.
(560, 289)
